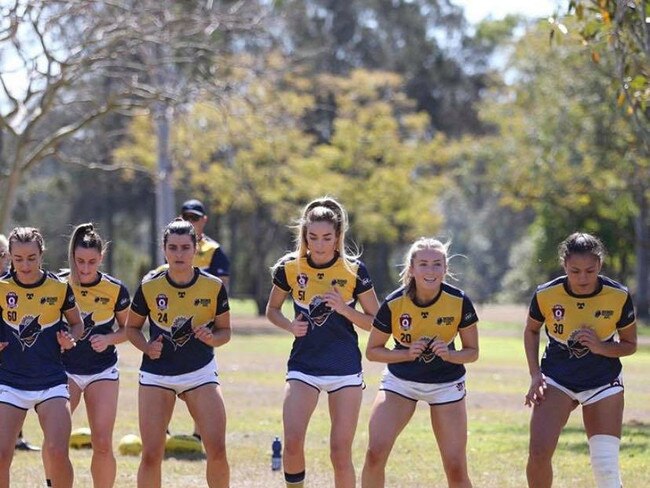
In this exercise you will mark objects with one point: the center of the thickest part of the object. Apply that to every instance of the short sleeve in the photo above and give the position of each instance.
(123, 299)
(280, 278)
(383, 319)
(627, 314)
(469, 316)
(222, 301)
(364, 283)
(69, 302)
(139, 304)
(534, 311)
(219, 264)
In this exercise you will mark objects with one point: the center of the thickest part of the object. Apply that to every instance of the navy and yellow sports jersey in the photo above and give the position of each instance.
(408, 322)
(31, 317)
(331, 344)
(98, 302)
(174, 312)
(565, 360)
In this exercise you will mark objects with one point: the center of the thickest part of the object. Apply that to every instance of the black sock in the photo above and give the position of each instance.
(294, 479)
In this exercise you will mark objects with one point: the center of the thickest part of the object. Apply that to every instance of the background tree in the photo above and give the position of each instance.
(620, 31)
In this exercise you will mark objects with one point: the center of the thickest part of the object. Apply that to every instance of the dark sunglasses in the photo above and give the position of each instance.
(191, 217)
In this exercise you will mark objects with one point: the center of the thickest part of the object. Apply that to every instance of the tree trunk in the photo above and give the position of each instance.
(9, 195)
(165, 207)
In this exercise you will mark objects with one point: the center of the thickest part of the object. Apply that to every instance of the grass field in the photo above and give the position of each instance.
(252, 368)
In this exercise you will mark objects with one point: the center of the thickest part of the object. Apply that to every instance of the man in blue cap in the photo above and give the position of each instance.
(209, 255)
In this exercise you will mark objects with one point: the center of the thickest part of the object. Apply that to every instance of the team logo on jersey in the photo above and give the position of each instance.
(12, 300)
(89, 323)
(445, 320)
(558, 312)
(28, 331)
(302, 280)
(181, 331)
(405, 322)
(319, 311)
(427, 355)
(604, 314)
(576, 349)
(162, 301)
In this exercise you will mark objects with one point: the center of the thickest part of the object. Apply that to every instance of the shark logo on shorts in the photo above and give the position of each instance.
(181, 331)
(319, 311)
(89, 323)
(28, 331)
(576, 350)
(428, 355)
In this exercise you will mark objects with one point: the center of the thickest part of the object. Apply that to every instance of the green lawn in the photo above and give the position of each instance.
(252, 368)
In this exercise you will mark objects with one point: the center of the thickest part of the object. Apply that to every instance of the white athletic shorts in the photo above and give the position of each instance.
(329, 384)
(83, 380)
(432, 393)
(182, 383)
(26, 399)
(588, 397)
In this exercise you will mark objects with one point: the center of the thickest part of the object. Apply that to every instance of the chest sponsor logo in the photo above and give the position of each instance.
(12, 300)
(162, 301)
(48, 300)
(405, 322)
(181, 331)
(319, 311)
(604, 314)
(558, 312)
(339, 282)
(28, 331)
(445, 320)
(302, 280)
(89, 323)
(202, 302)
(102, 300)
(576, 349)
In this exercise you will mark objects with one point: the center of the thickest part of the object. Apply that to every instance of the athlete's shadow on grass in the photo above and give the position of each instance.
(186, 456)
(636, 438)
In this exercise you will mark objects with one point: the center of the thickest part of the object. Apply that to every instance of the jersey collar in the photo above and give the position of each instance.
(322, 266)
(599, 288)
(33, 285)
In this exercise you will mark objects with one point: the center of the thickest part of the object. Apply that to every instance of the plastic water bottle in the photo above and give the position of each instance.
(276, 454)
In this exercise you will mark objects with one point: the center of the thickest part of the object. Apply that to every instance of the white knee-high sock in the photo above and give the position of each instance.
(603, 450)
